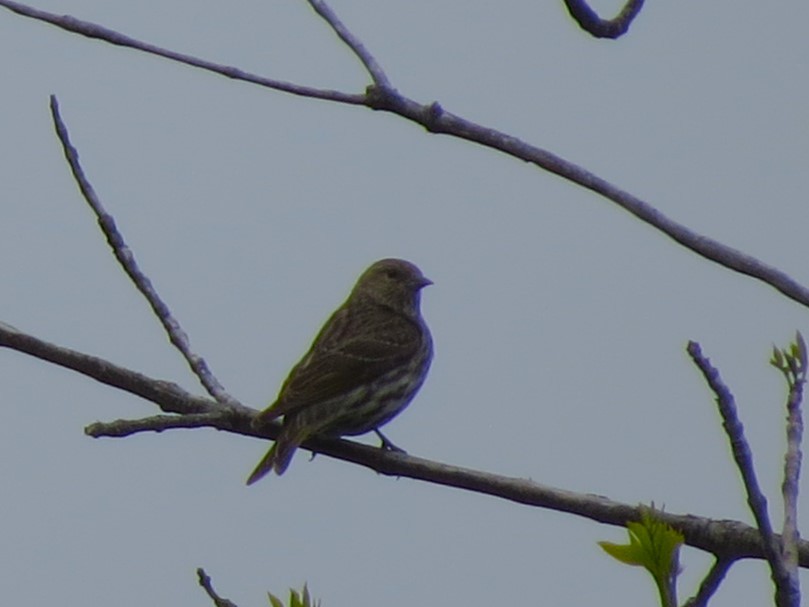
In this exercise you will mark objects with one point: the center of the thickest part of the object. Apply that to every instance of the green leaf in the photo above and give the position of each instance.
(296, 599)
(653, 545)
(626, 553)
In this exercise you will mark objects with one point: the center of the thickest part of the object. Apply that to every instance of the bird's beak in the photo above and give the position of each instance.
(424, 282)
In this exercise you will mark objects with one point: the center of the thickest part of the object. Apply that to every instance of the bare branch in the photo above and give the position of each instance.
(433, 118)
(437, 120)
(121, 428)
(99, 32)
(604, 28)
(205, 582)
(124, 255)
(358, 48)
(723, 538)
(797, 363)
(169, 396)
(710, 584)
(743, 457)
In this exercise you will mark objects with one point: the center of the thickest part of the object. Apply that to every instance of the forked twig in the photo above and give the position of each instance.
(99, 32)
(357, 47)
(382, 96)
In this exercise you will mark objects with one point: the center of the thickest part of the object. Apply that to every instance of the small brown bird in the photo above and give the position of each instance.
(363, 368)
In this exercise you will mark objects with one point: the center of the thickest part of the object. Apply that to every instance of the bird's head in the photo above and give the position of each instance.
(395, 283)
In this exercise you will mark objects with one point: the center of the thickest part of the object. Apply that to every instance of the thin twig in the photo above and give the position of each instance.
(357, 47)
(99, 32)
(435, 119)
(590, 22)
(796, 378)
(743, 457)
(124, 255)
(205, 582)
(121, 428)
(711, 583)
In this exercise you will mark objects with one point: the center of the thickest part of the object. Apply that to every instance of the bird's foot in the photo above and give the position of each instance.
(387, 445)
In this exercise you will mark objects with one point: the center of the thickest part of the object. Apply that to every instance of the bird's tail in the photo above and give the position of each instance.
(277, 458)
(264, 466)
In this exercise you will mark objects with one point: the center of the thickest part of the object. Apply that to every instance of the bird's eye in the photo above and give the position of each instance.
(391, 274)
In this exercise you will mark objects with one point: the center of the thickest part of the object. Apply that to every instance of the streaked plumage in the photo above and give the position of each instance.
(365, 365)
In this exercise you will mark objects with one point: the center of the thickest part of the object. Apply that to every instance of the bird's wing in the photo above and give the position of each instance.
(348, 353)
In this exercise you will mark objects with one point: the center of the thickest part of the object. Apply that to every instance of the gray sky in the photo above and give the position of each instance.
(560, 321)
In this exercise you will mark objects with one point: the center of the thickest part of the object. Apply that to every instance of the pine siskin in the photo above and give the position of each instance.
(363, 368)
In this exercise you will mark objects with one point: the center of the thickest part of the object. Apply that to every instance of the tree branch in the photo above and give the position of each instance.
(590, 22)
(170, 397)
(743, 457)
(723, 538)
(433, 118)
(126, 259)
(99, 32)
(711, 583)
(357, 47)
(796, 362)
(121, 428)
(437, 120)
(205, 582)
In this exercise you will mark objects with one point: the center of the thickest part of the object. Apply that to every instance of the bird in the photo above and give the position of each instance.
(363, 368)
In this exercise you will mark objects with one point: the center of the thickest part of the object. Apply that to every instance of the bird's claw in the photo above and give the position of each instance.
(387, 445)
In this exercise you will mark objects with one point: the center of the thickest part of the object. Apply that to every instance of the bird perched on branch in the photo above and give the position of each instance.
(363, 368)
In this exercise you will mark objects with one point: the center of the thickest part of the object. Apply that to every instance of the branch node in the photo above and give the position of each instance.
(432, 114)
(380, 97)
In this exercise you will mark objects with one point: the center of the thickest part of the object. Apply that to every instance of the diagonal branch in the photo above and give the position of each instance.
(124, 255)
(743, 457)
(433, 118)
(723, 538)
(357, 47)
(711, 583)
(205, 581)
(99, 32)
(169, 396)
